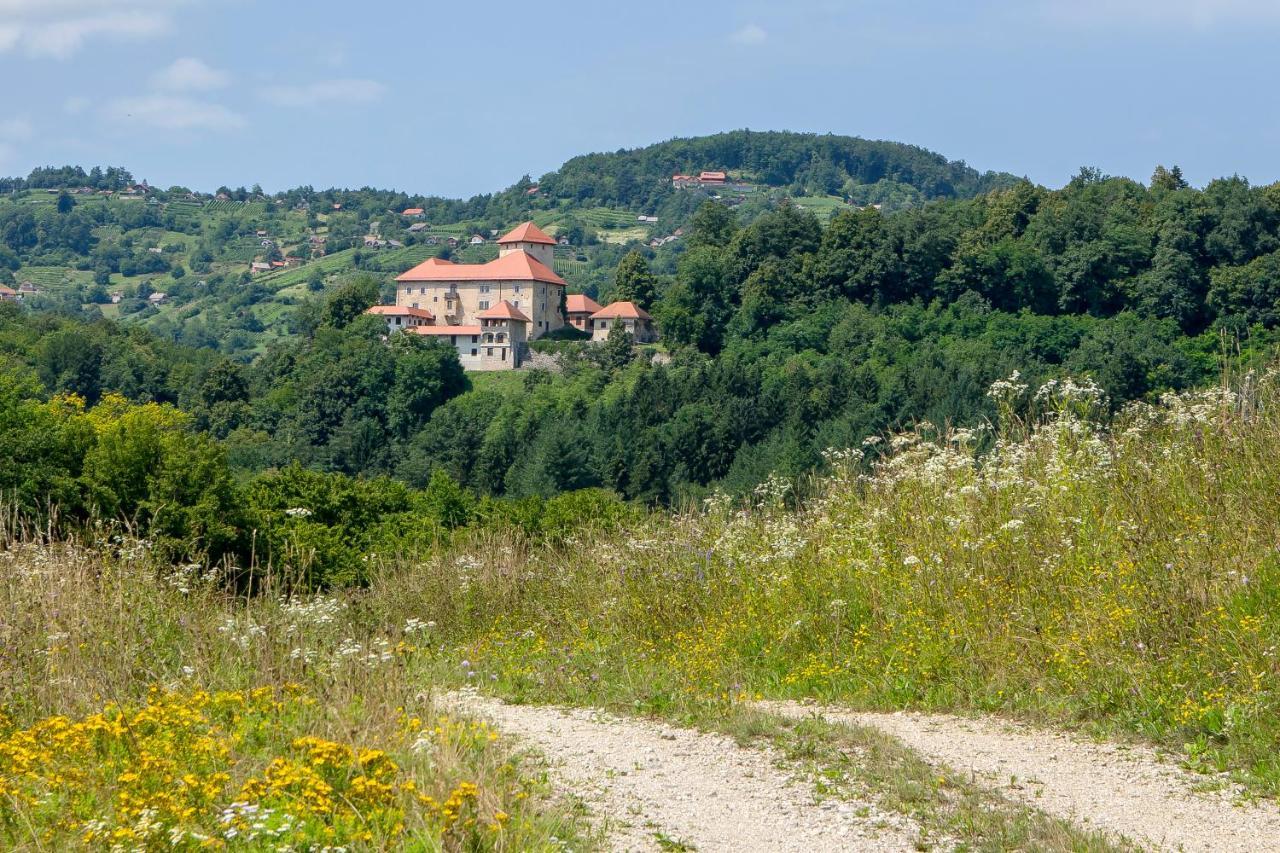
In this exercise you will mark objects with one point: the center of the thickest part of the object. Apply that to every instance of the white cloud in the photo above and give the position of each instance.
(173, 112)
(16, 128)
(324, 92)
(59, 28)
(189, 74)
(751, 34)
(1198, 14)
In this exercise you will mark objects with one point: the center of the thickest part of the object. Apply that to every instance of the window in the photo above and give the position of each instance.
(415, 305)
(501, 338)
(453, 339)
(516, 289)
(435, 299)
(397, 321)
(422, 291)
(484, 303)
(474, 351)
(488, 351)
(475, 339)
(484, 288)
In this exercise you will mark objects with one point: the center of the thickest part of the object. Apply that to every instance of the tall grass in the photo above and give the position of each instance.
(142, 707)
(1064, 565)
(1120, 573)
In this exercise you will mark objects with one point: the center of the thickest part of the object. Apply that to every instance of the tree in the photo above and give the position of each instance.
(634, 281)
(713, 224)
(65, 202)
(617, 351)
(350, 301)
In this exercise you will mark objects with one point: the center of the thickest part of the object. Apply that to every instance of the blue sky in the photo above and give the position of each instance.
(456, 99)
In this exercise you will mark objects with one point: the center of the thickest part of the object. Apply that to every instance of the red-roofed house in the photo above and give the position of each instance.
(401, 317)
(580, 307)
(8, 294)
(414, 212)
(633, 318)
(520, 275)
(712, 177)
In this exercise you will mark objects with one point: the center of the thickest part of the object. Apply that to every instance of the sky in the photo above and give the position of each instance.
(458, 99)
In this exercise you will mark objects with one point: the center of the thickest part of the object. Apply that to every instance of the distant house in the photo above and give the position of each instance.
(8, 294)
(337, 205)
(372, 242)
(414, 212)
(317, 239)
(259, 266)
(476, 240)
(418, 227)
(453, 242)
(292, 261)
(222, 197)
(27, 289)
(563, 241)
(633, 318)
(267, 244)
(261, 232)
(157, 298)
(646, 219)
(395, 244)
(116, 296)
(579, 307)
(275, 265)
(702, 179)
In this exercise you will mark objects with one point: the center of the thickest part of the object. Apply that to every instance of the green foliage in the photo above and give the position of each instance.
(634, 281)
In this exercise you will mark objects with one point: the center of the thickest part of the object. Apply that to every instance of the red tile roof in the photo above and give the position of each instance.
(711, 176)
(412, 211)
(7, 291)
(446, 330)
(514, 266)
(527, 233)
(580, 303)
(504, 310)
(401, 311)
(621, 310)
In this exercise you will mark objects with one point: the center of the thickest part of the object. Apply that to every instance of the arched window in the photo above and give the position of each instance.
(502, 337)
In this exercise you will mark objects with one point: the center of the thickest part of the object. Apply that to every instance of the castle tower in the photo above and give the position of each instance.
(529, 238)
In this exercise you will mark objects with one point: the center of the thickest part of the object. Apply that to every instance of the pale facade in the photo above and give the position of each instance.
(521, 275)
(634, 319)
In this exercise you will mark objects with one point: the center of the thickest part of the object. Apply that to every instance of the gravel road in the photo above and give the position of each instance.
(1129, 791)
(657, 783)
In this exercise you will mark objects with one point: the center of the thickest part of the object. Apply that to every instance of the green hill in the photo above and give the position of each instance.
(197, 248)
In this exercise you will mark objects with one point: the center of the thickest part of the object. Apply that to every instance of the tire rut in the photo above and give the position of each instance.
(656, 784)
(1133, 792)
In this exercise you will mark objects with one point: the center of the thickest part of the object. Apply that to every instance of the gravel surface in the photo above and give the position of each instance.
(651, 781)
(1129, 791)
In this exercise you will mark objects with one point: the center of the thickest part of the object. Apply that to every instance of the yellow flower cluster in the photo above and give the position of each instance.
(165, 774)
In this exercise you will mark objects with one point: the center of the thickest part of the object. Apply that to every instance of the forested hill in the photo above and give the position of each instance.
(866, 171)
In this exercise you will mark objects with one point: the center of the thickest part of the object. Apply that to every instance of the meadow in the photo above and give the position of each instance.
(1112, 572)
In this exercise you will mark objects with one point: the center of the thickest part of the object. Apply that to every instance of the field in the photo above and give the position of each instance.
(823, 206)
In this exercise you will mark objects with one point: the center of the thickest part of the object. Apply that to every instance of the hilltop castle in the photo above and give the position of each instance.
(521, 275)
(488, 312)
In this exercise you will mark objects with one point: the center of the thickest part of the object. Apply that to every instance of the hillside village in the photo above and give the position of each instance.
(490, 311)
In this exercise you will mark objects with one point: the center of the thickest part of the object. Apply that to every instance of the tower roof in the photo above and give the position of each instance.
(504, 310)
(513, 266)
(527, 233)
